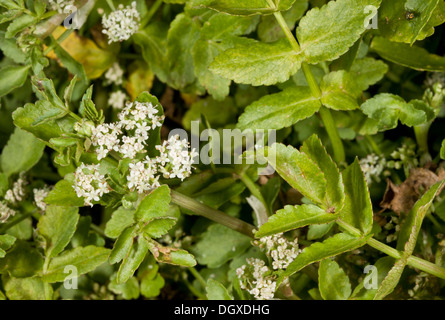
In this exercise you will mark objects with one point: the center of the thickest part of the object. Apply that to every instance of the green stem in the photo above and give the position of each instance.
(151, 13)
(325, 114)
(59, 40)
(212, 214)
(111, 5)
(198, 277)
(373, 145)
(255, 190)
(421, 133)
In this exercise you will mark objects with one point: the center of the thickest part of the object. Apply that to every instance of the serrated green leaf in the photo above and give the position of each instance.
(357, 210)
(10, 49)
(317, 231)
(340, 91)
(334, 188)
(318, 251)
(128, 290)
(57, 226)
(19, 24)
(280, 110)
(257, 63)
(26, 288)
(388, 109)
(132, 260)
(84, 259)
(216, 291)
(151, 288)
(21, 153)
(391, 280)
(333, 282)
(120, 220)
(154, 205)
(248, 7)
(368, 71)
(63, 194)
(10, 5)
(408, 56)
(299, 171)
(123, 245)
(293, 217)
(158, 227)
(12, 77)
(327, 33)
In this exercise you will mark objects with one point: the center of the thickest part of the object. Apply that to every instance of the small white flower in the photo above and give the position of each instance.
(257, 279)
(5, 212)
(121, 24)
(39, 197)
(17, 193)
(372, 167)
(89, 183)
(114, 75)
(143, 176)
(282, 251)
(60, 5)
(117, 100)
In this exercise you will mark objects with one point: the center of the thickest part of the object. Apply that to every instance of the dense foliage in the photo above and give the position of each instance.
(102, 197)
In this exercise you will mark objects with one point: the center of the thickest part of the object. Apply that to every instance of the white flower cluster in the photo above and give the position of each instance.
(39, 197)
(17, 193)
(257, 279)
(143, 176)
(117, 99)
(114, 75)
(121, 24)
(372, 167)
(136, 119)
(89, 183)
(60, 5)
(5, 212)
(281, 250)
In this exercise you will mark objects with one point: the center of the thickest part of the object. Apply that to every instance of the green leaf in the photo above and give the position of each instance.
(216, 291)
(317, 231)
(388, 109)
(123, 245)
(218, 245)
(21, 261)
(280, 110)
(293, 217)
(442, 150)
(20, 24)
(357, 211)
(11, 5)
(179, 257)
(334, 188)
(128, 290)
(132, 260)
(327, 33)
(6, 242)
(57, 226)
(63, 194)
(26, 288)
(340, 91)
(391, 280)
(12, 77)
(151, 288)
(154, 205)
(367, 71)
(120, 220)
(333, 282)
(248, 7)
(158, 227)
(85, 259)
(10, 49)
(299, 171)
(257, 63)
(21, 153)
(408, 56)
(335, 245)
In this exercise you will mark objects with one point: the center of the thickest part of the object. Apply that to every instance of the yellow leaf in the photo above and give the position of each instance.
(140, 79)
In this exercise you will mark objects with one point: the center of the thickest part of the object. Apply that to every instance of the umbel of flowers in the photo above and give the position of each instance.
(121, 24)
(128, 139)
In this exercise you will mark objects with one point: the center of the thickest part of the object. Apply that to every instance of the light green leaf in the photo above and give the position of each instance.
(216, 291)
(327, 33)
(128, 290)
(391, 280)
(154, 205)
(408, 56)
(85, 259)
(21, 153)
(358, 207)
(123, 245)
(120, 220)
(333, 282)
(11, 5)
(257, 63)
(151, 287)
(19, 24)
(57, 227)
(21, 261)
(248, 7)
(388, 109)
(158, 227)
(132, 260)
(6, 242)
(340, 91)
(26, 288)
(299, 171)
(280, 110)
(218, 245)
(367, 71)
(442, 150)
(317, 231)
(318, 251)
(334, 188)
(12, 77)
(63, 194)
(293, 217)
(10, 49)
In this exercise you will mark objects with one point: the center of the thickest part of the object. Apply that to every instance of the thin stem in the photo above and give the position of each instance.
(325, 114)
(212, 214)
(151, 13)
(98, 230)
(111, 5)
(253, 188)
(421, 133)
(373, 145)
(59, 40)
(198, 276)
